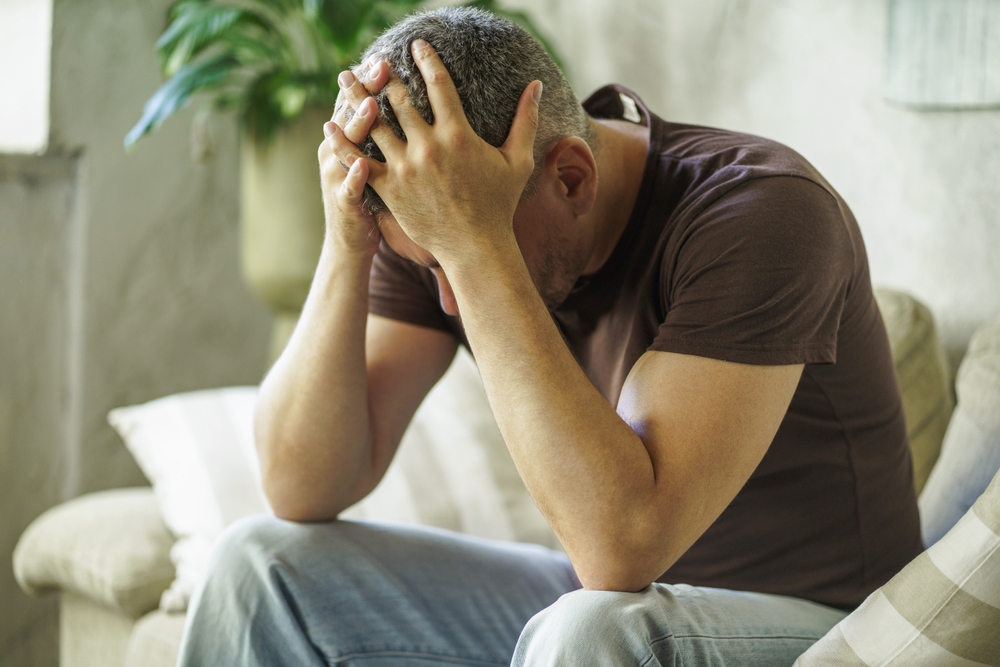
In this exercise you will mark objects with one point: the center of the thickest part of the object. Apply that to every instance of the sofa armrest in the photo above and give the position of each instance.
(111, 547)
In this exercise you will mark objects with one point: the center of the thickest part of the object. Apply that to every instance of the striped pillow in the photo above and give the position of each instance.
(943, 609)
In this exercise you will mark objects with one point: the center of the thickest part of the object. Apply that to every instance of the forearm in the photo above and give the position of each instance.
(587, 469)
(312, 422)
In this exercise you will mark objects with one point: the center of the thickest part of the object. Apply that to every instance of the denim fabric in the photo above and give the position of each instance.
(351, 593)
(673, 625)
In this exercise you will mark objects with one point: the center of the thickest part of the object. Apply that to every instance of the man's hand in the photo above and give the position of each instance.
(343, 172)
(451, 192)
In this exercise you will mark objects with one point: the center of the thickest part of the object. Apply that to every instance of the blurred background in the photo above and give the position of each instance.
(120, 272)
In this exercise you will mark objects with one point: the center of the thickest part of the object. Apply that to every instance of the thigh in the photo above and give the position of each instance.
(346, 593)
(674, 625)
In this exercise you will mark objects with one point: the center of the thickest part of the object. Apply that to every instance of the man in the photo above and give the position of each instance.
(677, 335)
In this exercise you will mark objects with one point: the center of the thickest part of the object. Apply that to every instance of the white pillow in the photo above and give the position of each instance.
(452, 470)
(970, 455)
(197, 450)
(941, 610)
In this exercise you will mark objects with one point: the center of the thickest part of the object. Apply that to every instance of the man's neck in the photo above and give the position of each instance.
(621, 161)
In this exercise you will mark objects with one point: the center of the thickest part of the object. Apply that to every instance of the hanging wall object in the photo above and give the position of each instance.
(943, 54)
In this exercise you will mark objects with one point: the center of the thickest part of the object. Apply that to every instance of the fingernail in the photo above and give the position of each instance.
(420, 46)
(536, 94)
(374, 70)
(355, 166)
(327, 130)
(345, 79)
(363, 108)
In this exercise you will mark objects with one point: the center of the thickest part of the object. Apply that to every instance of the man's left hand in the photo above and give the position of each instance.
(451, 192)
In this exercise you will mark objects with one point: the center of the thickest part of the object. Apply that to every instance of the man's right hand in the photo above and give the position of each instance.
(343, 169)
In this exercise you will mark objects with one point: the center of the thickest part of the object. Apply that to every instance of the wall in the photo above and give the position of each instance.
(119, 282)
(923, 185)
(36, 202)
(165, 307)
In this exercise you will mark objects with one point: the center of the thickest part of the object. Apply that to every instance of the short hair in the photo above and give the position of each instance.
(491, 60)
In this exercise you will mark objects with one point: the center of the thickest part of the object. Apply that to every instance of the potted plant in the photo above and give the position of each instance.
(275, 63)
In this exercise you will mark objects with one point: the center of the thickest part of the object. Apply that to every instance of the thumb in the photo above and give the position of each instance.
(521, 138)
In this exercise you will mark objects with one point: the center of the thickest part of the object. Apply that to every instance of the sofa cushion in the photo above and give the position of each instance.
(970, 455)
(110, 547)
(923, 376)
(942, 610)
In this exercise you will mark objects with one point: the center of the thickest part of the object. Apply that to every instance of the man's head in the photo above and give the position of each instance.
(491, 61)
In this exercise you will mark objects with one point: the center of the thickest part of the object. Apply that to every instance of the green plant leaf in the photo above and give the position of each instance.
(177, 91)
(291, 99)
(194, 26)
(343, 18)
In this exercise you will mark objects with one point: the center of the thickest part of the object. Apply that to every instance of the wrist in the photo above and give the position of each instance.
(486, 270)
(495, 249)
(349, 251)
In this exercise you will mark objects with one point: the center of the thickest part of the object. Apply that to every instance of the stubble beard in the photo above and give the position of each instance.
(557, 272)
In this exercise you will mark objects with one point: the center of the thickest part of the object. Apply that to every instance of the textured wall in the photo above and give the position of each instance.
(119, 282)
(166, 310)
(809, 73)
(36, 200)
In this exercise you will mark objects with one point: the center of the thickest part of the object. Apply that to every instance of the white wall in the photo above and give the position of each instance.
(925, 186)
(25, 47)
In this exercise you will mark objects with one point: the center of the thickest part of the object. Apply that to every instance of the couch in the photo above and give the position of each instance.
(107, 554)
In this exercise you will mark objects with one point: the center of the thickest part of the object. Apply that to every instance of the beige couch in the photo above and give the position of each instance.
(106, 554)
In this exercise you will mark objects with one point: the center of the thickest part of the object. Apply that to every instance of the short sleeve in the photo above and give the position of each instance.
(401, 290)
(760, 276)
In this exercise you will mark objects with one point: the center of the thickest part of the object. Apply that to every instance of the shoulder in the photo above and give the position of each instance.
(723, 159)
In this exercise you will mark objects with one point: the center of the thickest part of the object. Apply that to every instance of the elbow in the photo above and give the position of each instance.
(291, 494)
(290, 506)
(616, 579)
(617, 571)
(623, 565)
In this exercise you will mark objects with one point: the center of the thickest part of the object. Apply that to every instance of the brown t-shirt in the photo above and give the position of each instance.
(737, 249)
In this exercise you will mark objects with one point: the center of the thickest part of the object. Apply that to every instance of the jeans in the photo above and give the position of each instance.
(351, 593)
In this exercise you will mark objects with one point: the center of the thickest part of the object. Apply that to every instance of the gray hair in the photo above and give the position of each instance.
(491, 60)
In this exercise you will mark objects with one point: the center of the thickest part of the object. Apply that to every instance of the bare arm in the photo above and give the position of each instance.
(627, 491)
(333, 408)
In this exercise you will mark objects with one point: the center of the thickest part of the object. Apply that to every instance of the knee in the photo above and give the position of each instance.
(586, 627)
(246, 542)
(582, 614)
(239, 555)
(252, 552)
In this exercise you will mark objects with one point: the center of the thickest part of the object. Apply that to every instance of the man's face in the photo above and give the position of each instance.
(550, 249)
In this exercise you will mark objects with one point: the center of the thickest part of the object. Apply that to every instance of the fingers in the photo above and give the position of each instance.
(409, 118)
(353, 188)
(357, 111)
(361, 123)
(338, 153)
(354, 91)
(444, 99)
(521, 138)
(376, 76)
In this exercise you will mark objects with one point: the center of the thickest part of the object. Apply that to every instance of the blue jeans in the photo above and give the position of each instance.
(351, 594)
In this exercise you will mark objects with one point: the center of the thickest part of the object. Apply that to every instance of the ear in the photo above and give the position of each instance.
(574, 168)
